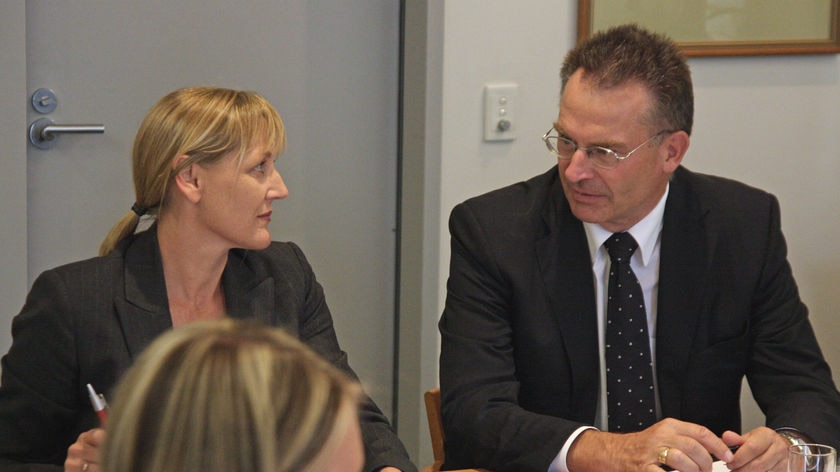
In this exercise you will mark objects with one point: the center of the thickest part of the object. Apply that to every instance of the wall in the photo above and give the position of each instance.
(769, 121)
(12, 164)
(419, 209)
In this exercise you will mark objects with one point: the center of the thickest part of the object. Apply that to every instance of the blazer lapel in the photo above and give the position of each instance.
(567, 276)
(683, 280)
(144, 311)
(249, 289)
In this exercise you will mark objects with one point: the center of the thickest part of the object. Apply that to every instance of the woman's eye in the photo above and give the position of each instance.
(264, 167)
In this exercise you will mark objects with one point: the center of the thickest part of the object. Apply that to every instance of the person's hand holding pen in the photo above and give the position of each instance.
(83, 455)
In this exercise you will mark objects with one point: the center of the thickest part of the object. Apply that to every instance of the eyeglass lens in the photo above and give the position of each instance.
(565, 148)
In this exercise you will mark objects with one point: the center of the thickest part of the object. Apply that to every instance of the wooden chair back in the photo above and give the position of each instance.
(432, 399)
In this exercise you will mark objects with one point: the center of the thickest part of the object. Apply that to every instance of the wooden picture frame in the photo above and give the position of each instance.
(725, 27)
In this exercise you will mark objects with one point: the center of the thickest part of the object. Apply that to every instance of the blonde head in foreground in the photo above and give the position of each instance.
(233, 396)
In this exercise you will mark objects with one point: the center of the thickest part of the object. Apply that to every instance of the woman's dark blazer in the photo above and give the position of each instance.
(86, 322)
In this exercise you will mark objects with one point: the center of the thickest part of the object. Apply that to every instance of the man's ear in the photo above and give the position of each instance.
(187, 180)
(676, 145)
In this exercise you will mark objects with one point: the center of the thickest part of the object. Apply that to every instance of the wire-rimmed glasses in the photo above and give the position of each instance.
(603, 157)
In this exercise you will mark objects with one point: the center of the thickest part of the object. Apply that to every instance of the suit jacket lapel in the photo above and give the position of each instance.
(571, 292)
(144, 311)
(683, 280)
(249, 289)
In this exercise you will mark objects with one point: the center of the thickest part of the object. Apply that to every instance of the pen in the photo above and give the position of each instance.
(100, 406)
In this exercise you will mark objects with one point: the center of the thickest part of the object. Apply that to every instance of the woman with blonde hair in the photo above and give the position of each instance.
(233, 396)
(204, 174)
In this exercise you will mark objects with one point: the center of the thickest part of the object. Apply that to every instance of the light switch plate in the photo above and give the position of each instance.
(500, 111)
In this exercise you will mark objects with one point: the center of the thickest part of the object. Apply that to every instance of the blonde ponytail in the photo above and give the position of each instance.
(123, 229)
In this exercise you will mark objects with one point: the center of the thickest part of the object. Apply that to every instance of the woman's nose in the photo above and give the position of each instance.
(278, 188)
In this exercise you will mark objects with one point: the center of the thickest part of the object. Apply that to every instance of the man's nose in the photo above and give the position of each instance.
(578, 167)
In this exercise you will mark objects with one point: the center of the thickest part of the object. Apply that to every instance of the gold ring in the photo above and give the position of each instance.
(663, 455)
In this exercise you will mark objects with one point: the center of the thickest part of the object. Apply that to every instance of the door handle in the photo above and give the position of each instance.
(43, 132)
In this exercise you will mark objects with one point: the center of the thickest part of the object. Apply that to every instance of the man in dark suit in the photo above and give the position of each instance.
(522, 365)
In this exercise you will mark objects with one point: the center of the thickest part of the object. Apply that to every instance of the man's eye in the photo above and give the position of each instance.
(564, 143)
(599, 152)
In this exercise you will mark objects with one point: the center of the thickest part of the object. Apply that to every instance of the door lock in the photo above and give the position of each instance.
(44, 101)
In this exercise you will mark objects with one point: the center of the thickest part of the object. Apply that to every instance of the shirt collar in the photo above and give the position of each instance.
(645, 232)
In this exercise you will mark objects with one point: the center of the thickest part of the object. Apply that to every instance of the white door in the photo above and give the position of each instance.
(329, 66)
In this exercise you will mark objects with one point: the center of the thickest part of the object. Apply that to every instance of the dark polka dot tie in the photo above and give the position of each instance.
(630, 398)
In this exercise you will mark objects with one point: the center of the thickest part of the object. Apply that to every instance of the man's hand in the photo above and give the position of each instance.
(683, 446)
(83, 455)
(761, 449)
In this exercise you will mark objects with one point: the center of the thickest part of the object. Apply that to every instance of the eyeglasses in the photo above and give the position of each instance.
(606, 158)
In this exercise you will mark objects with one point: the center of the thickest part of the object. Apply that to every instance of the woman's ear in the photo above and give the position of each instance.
(186, 180)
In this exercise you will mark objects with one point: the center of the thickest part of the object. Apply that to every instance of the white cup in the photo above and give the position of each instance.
(812, 458)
